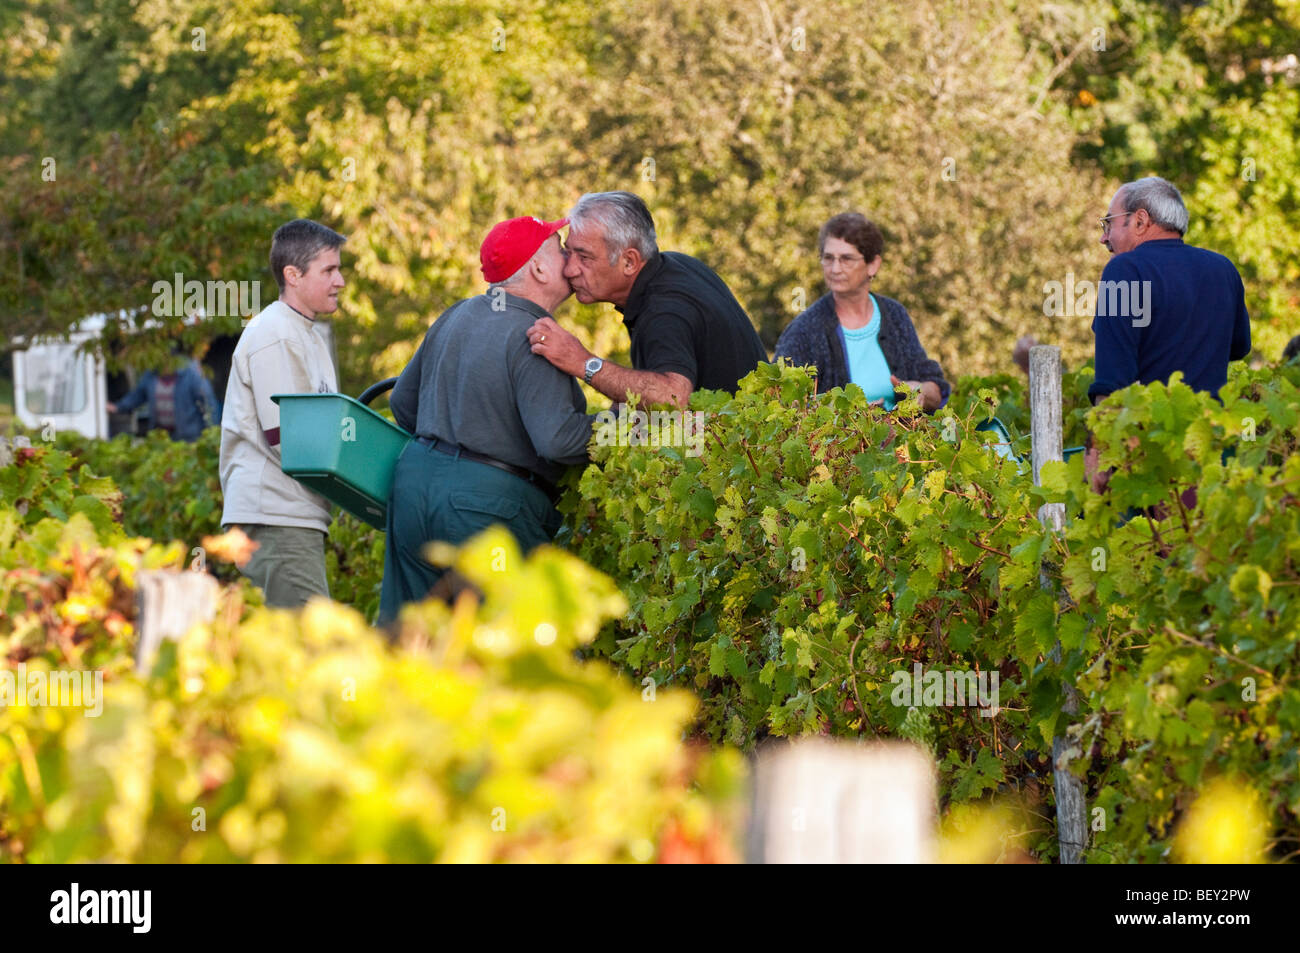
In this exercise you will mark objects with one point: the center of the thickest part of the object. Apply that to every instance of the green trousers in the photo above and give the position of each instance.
(449, 499)
(288, 565)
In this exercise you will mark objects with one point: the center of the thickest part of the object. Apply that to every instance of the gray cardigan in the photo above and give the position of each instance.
(815, 338)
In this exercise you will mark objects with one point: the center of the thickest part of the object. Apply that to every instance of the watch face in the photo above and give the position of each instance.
(593, 365)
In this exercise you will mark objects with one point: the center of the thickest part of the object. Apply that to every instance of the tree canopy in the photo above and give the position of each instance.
(141, 140)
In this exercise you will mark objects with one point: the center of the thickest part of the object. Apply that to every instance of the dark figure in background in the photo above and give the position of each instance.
(180, 400)
(1020, 353)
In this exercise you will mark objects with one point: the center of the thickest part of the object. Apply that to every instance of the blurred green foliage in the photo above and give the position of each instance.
(275, 736)
(170, 492)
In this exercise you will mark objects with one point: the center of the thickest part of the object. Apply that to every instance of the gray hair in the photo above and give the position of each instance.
(1160, 199)
(515, 280)
(624, 220)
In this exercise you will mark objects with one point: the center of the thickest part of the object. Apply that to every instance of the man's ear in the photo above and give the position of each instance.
(632, 260)
(538, 268)
(292, 275)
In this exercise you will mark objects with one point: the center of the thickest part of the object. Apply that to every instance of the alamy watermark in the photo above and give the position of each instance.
(58, 689)
(132, 908)
(657, 428)
(1117, 299)
(944, 688)
(179, 298)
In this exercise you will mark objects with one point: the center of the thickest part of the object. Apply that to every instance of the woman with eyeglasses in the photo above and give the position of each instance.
(851, 335)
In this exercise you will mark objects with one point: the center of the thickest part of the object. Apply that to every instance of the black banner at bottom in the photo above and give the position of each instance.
(332, 903)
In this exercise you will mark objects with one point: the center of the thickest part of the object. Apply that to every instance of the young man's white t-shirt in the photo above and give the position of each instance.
(280, 352)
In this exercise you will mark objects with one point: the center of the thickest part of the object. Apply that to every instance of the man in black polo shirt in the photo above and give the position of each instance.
(687, 329)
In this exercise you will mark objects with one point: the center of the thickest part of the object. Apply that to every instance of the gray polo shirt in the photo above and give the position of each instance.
(475, 382)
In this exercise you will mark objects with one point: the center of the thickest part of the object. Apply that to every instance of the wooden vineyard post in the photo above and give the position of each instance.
(818, 801)
(1046, 429)
(170, 604)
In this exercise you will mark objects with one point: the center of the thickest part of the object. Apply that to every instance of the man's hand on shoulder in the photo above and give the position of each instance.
(558, 346)
(567, 354)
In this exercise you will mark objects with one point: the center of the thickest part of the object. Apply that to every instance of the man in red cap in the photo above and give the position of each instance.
(495, 424)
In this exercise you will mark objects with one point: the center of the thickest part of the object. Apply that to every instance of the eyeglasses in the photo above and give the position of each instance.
(1105, 220)
(847, 261)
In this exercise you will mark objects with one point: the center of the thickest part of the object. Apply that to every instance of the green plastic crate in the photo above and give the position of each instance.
(342, 449)
(1003, 447)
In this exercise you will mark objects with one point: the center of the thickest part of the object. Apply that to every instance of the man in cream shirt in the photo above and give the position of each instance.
(283, 350)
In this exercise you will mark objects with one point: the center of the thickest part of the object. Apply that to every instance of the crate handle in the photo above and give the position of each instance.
(374, 390)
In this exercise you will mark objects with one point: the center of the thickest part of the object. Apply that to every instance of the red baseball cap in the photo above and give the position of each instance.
(510, 244)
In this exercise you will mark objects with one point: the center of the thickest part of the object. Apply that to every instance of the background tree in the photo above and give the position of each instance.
(760, 121)
(985, 137)
(1205, 95)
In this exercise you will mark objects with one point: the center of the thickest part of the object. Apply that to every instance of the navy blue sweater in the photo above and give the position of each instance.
(1167, 306)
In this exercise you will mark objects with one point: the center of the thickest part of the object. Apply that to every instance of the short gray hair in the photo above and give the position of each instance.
(1160, 199)
(624, 219)
(517, 279)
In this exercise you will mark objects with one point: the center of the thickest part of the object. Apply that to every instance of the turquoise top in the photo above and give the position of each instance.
(867, 365)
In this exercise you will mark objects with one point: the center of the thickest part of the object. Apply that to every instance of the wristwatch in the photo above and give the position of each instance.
(593, 365)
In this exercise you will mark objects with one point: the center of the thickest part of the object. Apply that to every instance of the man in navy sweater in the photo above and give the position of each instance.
(1162, 305)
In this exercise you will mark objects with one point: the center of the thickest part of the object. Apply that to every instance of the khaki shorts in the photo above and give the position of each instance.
(288, 565)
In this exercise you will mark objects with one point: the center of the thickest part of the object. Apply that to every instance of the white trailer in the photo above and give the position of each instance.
(57, 384)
